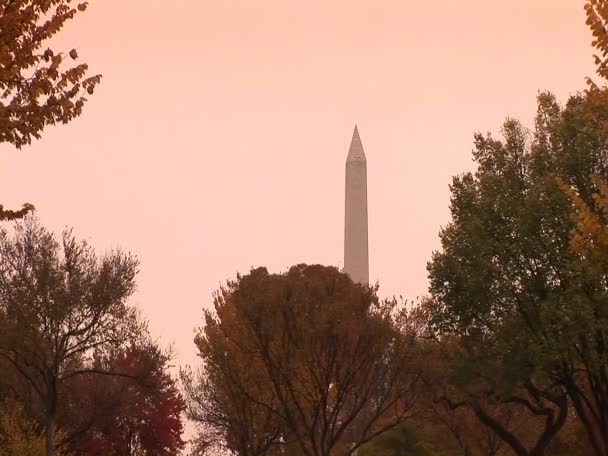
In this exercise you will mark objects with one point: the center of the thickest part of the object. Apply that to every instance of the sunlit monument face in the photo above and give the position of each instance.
(356, 258)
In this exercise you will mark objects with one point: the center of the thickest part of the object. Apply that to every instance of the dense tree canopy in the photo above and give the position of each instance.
(506, 280)
(305, 360)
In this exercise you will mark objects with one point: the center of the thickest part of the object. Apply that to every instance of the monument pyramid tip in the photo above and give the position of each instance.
(355, 152)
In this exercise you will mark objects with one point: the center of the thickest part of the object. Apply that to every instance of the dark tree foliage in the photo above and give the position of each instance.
(60, 301)
(305, 362)
(8, 215)
(531, 317)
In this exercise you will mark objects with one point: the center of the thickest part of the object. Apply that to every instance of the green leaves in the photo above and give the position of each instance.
(524, 297)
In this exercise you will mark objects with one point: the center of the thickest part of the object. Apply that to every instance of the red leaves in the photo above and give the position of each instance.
(144, 412)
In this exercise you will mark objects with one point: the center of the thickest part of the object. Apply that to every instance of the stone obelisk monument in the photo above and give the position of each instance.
(356, 257)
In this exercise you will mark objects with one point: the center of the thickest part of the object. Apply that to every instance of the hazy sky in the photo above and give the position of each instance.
(217, 139)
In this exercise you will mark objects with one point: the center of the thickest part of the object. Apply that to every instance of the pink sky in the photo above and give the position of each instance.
(217, 139)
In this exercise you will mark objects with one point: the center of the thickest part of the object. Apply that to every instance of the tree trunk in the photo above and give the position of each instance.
(597, 438)
(50, 433)
(517, 446)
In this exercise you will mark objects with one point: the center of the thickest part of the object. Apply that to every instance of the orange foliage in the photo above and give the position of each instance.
(37, 87)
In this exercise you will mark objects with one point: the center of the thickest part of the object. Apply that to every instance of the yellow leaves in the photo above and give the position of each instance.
(590, 237)
(597, 20)
(37, 85)
(20, 435)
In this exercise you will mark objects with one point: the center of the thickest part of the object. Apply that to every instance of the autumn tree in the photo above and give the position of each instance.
(60, 301)
(136, 413)
(305, 361)
(526, 309)
(588, 387)
(225, 417)
(38, 85)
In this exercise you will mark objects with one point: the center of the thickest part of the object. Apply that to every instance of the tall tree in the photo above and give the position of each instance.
(306, 358)
(59, 301)
(506, 281)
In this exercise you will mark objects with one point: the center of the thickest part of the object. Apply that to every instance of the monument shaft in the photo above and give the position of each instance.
(356, 255)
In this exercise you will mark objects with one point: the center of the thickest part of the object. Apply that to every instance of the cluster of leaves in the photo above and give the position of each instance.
(597, 20)
(37, 88)
(137, 411)
(590, 238)
(8, 215)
